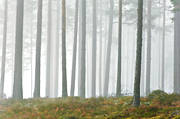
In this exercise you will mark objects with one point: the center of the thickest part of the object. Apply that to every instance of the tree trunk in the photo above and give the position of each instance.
(38, 51)
(177, 49)
(108, 55)
(73, 76)
(17, 88)
(57, 51)
(64, 75)
(94, 47)
(83, 51)
(148, 66)
(4, 49)
(48, 62)
(163, 43)
(100, 52)
(136, 98)
(118, 91)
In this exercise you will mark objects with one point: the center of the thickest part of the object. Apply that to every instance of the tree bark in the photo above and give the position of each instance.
(17, 88)
(73, 76)
(38, 51)
(83, 51)
(3, 63)
(118, 90)
(64, 75)
(136, 98)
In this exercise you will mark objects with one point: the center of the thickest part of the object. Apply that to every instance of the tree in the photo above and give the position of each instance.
(48, 48)
(94, 47)
(3, 63)
(64, 75)
(148, 67)
(74, 50)
(83, 50)
(136, 98)
(163, 42)
(107, 69)
(176, 46)
(118, 91)
(38, 51)
(17, 88)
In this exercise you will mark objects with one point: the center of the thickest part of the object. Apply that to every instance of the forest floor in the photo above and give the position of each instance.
(157, 105)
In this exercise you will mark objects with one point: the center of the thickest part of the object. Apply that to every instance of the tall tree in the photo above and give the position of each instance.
(118, 91)
(48, 62)
(163, 42)
(74, 50)
(176, 46)
(148, 66)
(136, 98)
(57, 50)
(100, 51)
(38, 51)
(94, 47)
(3, 63)
(17, 88)
(83, 51)
(64, 75)
(108, 54)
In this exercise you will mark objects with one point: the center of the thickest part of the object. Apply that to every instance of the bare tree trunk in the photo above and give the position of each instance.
(148, 66)
(17, 88)
(83, 51)
(136, 98)
(38, 51)
(94, 47)
(57, 51)
(118, 90)
(100, 52)
(108, 56)
(73, 77)
(64, 75)
(3, 63)
(163, 43)
(177, 49)
(48, 62)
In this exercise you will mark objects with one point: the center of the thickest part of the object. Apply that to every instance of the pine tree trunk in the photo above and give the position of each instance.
(83, 51)
(64, 75)
(148, 66)
(136, 98)
(108, 55)
(73, 76)
(48, 62)
(118, 91)
(94, 47)
(38, 51)
(17, 88)
(3, 63)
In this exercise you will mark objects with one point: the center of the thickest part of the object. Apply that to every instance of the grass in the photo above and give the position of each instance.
(155, 106)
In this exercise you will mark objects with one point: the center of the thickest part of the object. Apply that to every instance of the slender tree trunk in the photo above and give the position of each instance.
(83, 51)
(118, 91)
(64, 75)
(148, 66)
(57, 51)
(94, 47)
(73, 77)
(176, 49)
(100, 52)
(17, 88)
(38, 51)
(108, 56)
(3, 63)
(163, 42)
(136, 98)
(48, 63)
